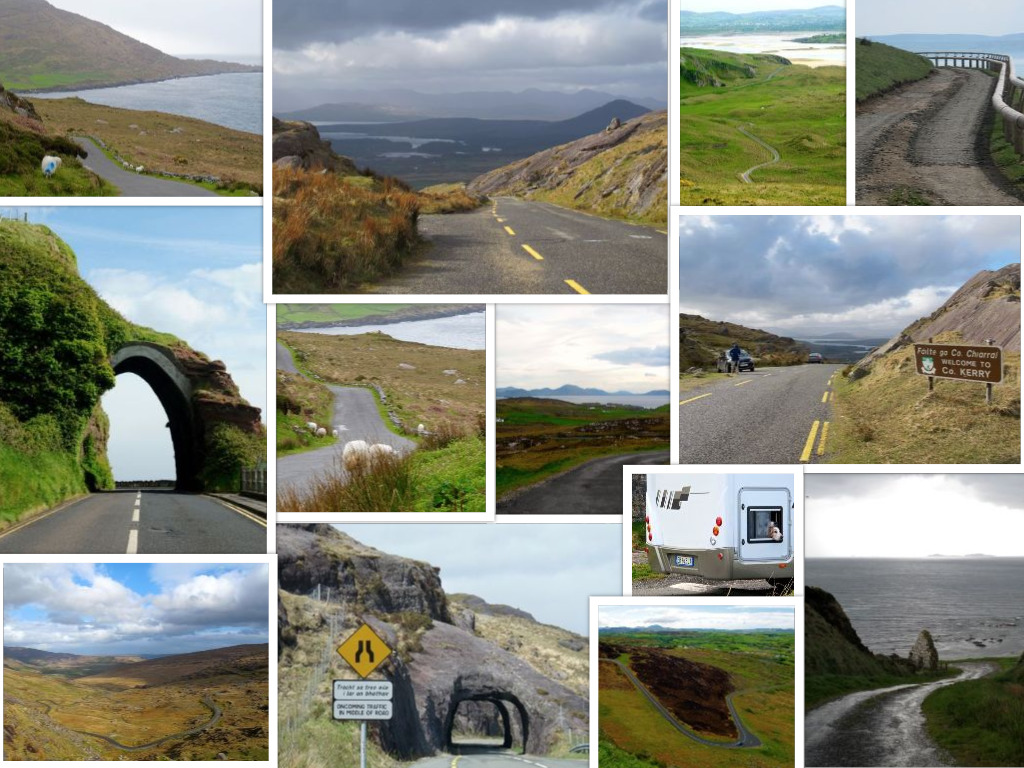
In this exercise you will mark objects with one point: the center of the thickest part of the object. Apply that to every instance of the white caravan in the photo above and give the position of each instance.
(721, 526)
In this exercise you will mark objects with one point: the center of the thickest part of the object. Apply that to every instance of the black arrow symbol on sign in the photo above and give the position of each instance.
(364, 646)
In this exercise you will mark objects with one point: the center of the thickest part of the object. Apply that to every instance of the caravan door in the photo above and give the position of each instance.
(766, 529)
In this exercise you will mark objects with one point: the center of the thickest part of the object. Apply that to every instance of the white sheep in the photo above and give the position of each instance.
(355, 454)
(50, 165)
(421, 429)
(311, 426)
(380, 450)
(139, 169)
(334, 433)
(321, 432)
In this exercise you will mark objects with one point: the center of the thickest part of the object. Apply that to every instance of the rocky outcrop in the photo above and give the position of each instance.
(479, 605)
(923, 655)
(13, 103)
(298, 145)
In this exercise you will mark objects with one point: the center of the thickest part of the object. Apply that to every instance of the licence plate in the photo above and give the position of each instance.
(685, 560)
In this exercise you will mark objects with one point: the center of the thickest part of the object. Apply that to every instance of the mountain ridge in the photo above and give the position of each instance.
(573, 390)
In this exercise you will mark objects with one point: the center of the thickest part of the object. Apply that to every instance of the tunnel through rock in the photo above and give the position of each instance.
(488, 715)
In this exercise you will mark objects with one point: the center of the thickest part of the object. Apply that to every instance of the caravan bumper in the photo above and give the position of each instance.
(707, 564)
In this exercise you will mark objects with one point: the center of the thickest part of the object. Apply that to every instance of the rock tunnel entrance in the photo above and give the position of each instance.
(487, 715)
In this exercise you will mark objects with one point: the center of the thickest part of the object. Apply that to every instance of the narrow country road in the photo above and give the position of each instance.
(499, 759)
(134, 184)
(355, 416)
(593, 488)
(770, 416)
(746, 738)
(207, 702)
(922, 143)
(515, 246)
(139, 522)
(883, 727)
(745, 176)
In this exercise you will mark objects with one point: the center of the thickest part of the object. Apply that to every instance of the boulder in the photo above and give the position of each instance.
(923, 655)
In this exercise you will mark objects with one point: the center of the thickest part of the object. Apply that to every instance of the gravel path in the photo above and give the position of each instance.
(745, 176)
(927, 140)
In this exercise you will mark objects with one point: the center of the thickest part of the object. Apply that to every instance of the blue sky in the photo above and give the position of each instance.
(806, 275)
(191, 271)
(545, 569)
(696, 617)
(883, 17)
(139, 608)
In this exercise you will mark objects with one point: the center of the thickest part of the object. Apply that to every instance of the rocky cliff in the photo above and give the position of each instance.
(447, 677)
(621, 172)
(298, 145)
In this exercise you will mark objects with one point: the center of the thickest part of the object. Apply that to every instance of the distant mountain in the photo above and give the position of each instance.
(69, 665)
(402, 105)
(685, 630)
(572, 390)
(1012, 44)
(45, 48)
(231, 660)
(826, 18)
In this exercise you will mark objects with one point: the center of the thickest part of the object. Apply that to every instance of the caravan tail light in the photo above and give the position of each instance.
(718, 521)
(720, 556)
(715, 530)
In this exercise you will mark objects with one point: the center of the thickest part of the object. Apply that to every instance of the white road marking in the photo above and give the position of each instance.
(239, 510)
(135, 516)
(133, 542)
(641, 237)
(687, 587)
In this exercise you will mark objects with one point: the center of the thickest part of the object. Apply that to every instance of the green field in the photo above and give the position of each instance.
(328, 313)
(881, 68)
(798, 110)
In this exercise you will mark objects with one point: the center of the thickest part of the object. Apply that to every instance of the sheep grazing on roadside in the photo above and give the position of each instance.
(311, 426)
(139, 169)
(321, 432)
(355, 454)
(334, 433)
(50, 165)
(380, 450)
(421, 429)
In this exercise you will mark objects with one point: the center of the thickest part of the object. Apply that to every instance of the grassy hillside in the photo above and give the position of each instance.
(702, 340)
(540, 437)
(798, 110)
(300, 400)
(881, 68)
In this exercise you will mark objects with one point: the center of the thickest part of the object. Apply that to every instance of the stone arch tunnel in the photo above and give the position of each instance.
(499, 699)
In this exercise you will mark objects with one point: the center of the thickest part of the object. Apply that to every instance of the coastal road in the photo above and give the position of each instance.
(357, 418)
(498, 759)
(516, 246)
(924, 137)
(880, 727)
(746, 738)
(134, 184)
(139, 522)
(593, 488)
(770, 416)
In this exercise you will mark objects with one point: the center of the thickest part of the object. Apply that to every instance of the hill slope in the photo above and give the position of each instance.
(702, 340)
(45, 48)
(882, 67)
(620, 172)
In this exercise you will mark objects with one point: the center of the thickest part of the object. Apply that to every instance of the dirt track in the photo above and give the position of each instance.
(926, 142)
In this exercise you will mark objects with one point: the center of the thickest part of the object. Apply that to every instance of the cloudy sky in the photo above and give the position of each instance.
(695, 617)
(183, 28)
(913, 515)
(547, 570)
(621, 347)
(194, 272)
(884, 17)
(617, 46)
(806, 275)
(144, 608)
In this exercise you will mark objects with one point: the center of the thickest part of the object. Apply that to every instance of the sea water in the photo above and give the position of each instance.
(780, 44)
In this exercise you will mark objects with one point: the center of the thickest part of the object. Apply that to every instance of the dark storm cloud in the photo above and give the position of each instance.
(824, 486)
(301, 22)
(1005, 490)
(652, 356)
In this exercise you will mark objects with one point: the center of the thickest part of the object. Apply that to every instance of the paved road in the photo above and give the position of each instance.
(207, 702)
(593, 488)
(924, 137)
(356, 417)
(880, 727)
(142, 522)
(746, 738)
(136, 184)
(745, 176)
(475, 253)
(764, 417)
(498, 759)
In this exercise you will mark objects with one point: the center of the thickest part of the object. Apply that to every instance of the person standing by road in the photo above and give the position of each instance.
(734, 358)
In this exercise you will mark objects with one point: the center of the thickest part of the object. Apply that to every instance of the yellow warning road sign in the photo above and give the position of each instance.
(364, 650)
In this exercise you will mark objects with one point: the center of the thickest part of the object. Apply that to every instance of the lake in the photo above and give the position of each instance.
(641, 401)
(233, 100)
(466, 331)
(960, 601)
(778, 43)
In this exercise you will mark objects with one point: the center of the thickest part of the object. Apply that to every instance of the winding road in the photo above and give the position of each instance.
(207, 702)
(883, 727)
(521, 247)
(746, 740)
(593, 488)
(136, 184)
(745, 176)
(355, 409)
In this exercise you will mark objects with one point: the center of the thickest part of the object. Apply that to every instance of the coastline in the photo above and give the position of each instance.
(403, 315)
(252, 69)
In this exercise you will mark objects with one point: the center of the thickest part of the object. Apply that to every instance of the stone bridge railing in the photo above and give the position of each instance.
(1008, 97)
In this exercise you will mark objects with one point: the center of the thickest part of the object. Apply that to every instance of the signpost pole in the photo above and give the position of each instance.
(931, 379)
(362, 744)
(988, 387)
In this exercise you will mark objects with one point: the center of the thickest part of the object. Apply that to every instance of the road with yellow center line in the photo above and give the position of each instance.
(770, 416)
(525, 247)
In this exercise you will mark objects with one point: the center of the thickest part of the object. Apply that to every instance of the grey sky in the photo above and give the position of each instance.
(184, 27)
(884, 17)
(915, 515)
(465, 45)
(806, 275)
(621, 347)
(547, 570)
(734, 617)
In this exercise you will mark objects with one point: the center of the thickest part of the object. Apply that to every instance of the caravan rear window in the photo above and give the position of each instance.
(764, 524)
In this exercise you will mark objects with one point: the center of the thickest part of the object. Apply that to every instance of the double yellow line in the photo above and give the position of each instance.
(809, 445)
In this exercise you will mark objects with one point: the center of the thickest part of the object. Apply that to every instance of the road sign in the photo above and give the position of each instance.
(363, 690)
(364, 650)
(964, 362)
(362, 710)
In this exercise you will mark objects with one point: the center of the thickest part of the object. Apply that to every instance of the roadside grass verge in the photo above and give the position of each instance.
(1006, 159)
(691, 381)
(881, 68)
(22, 148)
(448, 198)
(981, 722)
(890, 417)
(334, 233)
(299, 401)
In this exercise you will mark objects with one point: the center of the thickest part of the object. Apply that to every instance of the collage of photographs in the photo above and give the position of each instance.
(619, 420)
